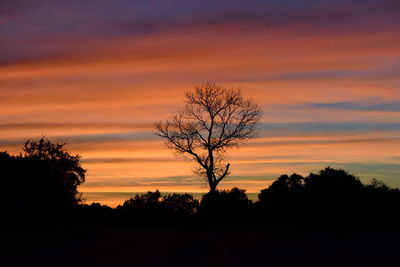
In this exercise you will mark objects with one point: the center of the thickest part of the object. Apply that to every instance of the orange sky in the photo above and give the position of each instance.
(329, 88)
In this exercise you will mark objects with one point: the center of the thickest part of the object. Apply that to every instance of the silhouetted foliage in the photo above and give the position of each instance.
(334, 196)
(151, 208)
(225, 205)
(179, 205)
(41, 180)
(330, 196)
(283, 197)
(96, 213)
(283, 187)
(330, 181)
(65, 171)
(142, 206)
(39, 189)
(213, 119)
(381, 203)
(377, 186)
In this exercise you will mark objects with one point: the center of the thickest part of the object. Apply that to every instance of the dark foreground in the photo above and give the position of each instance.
(250, 246)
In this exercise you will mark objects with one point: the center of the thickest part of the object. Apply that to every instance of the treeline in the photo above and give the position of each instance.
(330, 197)
(41, 185)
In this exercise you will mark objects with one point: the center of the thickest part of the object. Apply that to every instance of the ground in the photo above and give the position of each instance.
(233, 246)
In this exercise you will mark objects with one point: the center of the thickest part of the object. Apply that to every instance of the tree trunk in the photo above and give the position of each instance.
(211, 183)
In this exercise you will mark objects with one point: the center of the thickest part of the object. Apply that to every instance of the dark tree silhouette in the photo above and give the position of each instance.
(213, 120)
(283, 199)
(64, 170)
(377, 186)
(285, 184)
(330, 181)
(146, 206)
(336, 197)
(45, 176)
(329, 196)
(225, 205)
(179, 205)
(153, 209)
(148, 200)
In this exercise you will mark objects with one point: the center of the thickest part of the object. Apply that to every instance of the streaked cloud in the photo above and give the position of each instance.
(98, 74)
(391, 106)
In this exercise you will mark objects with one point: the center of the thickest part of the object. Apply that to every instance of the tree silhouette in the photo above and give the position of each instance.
(45, 176)
(330, 181)
(64, 171)
(285, 184)
(213, 120)
(225, 205)
(283, 199)
(179, 205)
(153, 209)
(142, 206)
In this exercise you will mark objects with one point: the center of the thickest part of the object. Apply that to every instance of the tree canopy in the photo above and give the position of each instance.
(43, 177)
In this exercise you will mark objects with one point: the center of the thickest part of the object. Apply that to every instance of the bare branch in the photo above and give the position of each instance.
(213, 119)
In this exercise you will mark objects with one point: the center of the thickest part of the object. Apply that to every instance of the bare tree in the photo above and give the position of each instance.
(213, 119)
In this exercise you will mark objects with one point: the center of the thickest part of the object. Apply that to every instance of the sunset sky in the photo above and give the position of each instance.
(97, 74)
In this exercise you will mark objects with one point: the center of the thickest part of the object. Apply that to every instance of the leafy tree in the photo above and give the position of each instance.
(96, 213)
(150, 199)
(146, 205)
(213, 120)
(333, 181)
(283, 199)
(64, 171)
(225, 204)
(331, 195)
(284, 184)
(45, 176)
(178, 205)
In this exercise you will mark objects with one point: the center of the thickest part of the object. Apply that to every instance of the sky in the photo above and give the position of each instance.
(97, 74)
